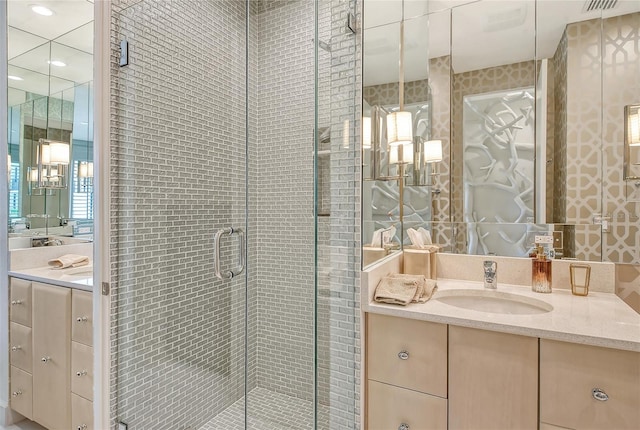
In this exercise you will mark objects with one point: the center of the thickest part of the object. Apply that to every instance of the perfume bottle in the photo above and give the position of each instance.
(541, 272)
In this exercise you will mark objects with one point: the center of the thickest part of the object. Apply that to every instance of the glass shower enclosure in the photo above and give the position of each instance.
(234, 216)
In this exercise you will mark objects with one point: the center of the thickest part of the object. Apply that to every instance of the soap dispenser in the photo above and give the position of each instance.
(541, 272)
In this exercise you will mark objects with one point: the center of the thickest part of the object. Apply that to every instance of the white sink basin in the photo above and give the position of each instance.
(497, 302)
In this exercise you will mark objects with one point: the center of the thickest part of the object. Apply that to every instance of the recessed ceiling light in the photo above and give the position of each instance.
(41, 10)
(57, 63)
(15, 78)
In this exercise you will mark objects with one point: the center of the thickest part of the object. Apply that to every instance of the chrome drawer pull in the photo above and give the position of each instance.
(82, 427)
(82, 319)
(16, 348)
(84, 372)
(600, 395)
(16, 302)
(46, 359)
(403, 426)
(16, 393)
(403, 355)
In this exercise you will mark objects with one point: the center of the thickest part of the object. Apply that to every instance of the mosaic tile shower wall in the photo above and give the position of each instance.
(166, 119)
(178, 150)
(345, 235)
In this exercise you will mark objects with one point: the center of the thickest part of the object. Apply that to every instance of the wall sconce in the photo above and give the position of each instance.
(631, 142)
(85, 175)
(53, 164)
(366, 132)
(433, 151)
(401, 154)
(399, 126)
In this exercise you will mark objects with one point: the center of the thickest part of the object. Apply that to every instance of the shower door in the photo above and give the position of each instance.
(178, 183)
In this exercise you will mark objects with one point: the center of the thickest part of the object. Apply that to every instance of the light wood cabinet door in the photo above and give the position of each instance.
(570, 372)
(82, 370)
(82, 319)
(21, 392)
(20, 352)
(81, 413)
(407, 353)
(493, 380)
(52, 358)
(390, 407)
(20, 301)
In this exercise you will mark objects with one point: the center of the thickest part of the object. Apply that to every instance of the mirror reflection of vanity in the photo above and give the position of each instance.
(50, 98)
(528, 99)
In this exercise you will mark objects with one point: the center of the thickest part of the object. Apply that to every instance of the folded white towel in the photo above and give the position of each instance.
(69, 260)
(426, 286)
(402, 289)
(396, 291)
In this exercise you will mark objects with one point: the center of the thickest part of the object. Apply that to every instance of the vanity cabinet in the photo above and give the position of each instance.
(82, 360)
(493, 380)
(51, 354)
(585, 386)
(20, 347)
(407, 373)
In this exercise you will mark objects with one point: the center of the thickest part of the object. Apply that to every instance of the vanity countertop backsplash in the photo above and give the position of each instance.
(32, 264)
(599, 319)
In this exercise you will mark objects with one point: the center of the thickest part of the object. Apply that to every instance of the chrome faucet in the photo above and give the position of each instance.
(490, 274)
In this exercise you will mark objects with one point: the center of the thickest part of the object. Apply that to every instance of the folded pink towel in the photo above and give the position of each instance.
(69, 260)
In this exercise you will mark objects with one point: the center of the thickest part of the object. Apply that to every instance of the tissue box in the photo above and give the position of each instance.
(420, 262)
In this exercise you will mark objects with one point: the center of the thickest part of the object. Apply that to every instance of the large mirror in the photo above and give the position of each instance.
(530, 100)
(50, 100)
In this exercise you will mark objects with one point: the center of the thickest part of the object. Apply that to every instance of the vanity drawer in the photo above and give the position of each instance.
(82, 317)
(389, 407)
(82, 370)
(21, 392)
(81, 413)
(568, 374)
(20, 301)
(20, 351)
(407, 353)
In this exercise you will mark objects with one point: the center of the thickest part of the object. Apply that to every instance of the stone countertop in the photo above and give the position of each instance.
(80, 278)
(599, 319)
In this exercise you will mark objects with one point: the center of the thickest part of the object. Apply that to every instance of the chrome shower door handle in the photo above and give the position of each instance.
(228, 274)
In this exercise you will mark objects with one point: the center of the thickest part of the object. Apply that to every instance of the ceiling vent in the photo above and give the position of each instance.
(591, 5)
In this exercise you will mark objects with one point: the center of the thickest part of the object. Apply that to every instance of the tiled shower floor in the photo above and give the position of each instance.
(269, 411)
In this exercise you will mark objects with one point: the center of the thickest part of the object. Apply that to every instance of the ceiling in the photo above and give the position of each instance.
(36, 43)
(477, 34)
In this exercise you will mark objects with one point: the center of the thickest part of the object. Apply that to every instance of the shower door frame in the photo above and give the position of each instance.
(102, 225)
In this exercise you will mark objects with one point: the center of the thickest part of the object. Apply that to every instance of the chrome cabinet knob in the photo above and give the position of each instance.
(46, 359)
(16, 302)
(82, 319)
(403, 426)
(81, 373)
(403, 355)
(82, 427)
(16, 393)
(16, 348)
(599, 394)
